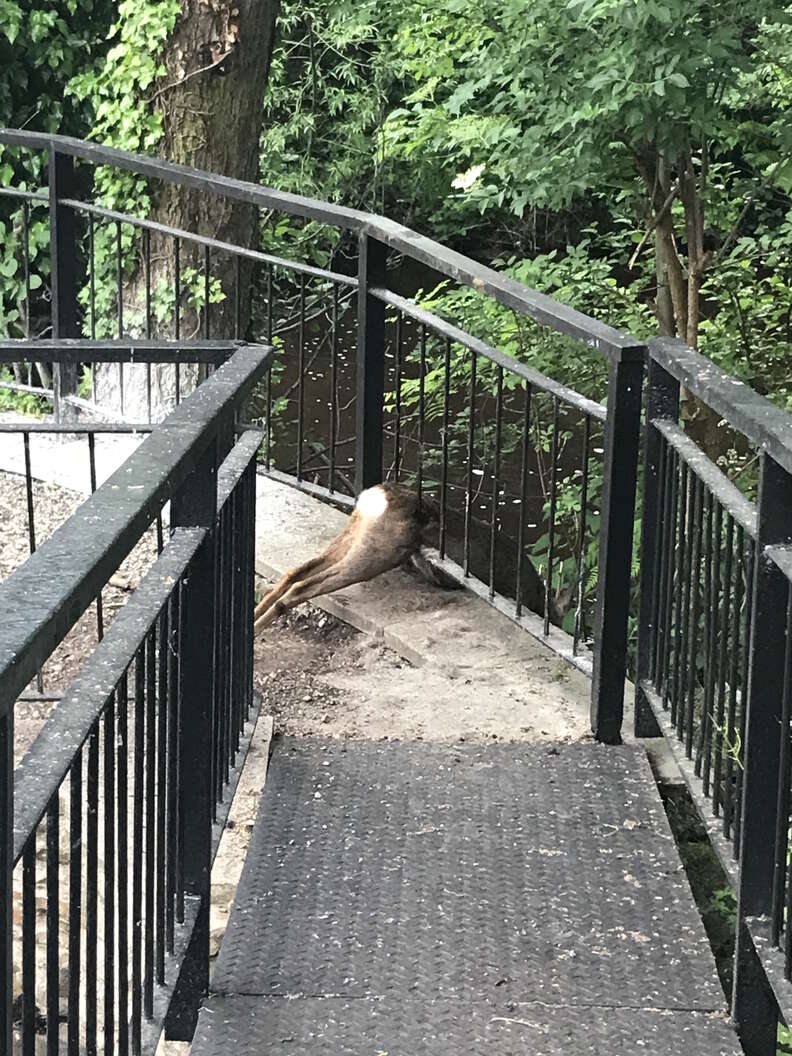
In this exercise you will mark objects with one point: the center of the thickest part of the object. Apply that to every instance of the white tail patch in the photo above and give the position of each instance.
(372, 502)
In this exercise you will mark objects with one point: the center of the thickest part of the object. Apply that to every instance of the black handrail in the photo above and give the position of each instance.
(158, 710)
(506, 291)
(376, 235)
(40, 604)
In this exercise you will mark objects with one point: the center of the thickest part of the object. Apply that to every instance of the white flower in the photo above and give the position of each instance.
(465, 180)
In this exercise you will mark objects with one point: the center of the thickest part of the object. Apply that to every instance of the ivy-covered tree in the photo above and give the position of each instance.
(42, 46)
(185, 79)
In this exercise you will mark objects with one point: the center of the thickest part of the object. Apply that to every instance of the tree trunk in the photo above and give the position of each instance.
(211, 98)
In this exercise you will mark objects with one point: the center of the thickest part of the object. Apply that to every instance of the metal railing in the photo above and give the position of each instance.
(535, 481)
(120, 801)
(715, 659)
(714, 665)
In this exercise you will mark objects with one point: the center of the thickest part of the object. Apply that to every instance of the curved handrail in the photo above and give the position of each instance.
(507, 291)
(764, 423)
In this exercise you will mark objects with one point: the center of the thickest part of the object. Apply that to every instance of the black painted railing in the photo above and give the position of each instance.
(120, 801)
(714, 655)
(535, 481)
(370, 384)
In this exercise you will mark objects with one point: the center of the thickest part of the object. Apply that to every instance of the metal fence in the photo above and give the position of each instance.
(715, 654)
(535, 481)
(115, 811)
(409, 395)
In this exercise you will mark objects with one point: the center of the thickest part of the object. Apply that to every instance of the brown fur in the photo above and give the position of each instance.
(365, 548)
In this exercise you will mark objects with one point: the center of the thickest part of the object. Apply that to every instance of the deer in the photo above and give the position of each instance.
(390, 526)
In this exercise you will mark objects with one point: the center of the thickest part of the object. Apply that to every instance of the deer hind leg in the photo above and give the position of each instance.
(321, 581)
(287, 581)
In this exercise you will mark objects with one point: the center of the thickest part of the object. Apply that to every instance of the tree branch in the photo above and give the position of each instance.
(655, 221)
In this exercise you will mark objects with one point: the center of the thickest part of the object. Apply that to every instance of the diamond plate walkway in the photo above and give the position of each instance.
(407, 899)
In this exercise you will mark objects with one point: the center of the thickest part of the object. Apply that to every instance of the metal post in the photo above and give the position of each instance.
(6, 877)
(622, 436)
(753, 1007)
(372, 257)
(63, 273)
(196, 506)
(662, 402)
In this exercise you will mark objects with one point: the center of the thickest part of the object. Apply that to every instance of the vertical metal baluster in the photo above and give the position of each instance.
(92, 297)
(747, 624)
(333, 389)
(780, 868)
(75, 902)
(137, 810)
(92, 468)
(26, 266)
(162, 776)
(734, 672)
(218, 719)
(120, 308)
(147, 271)
(398, 381)
(151, 763)
(180, 804)
(526, 430)
(705, 717)
(712, 618)
(788, 930)
(722, 667)
(693, 634)
(496, 479)
(177, 308)
(421, 407)
(53, 926)
(470, 452)
(268, 448)
(444, 471)
(690, 570)
(237, 298)
(551, 527)
(207, 291)
(218, 727)
(160, 538)
(663, 504)
(29, 947)
(31, 519)
(580, 561)
(225, 615)
(669, 585)
(109, 797)
(122, 851)
(301, 380)
(29, 494)
(7, 924)
(173, 765)
(682, 563)
(235, 563)
(92, 900)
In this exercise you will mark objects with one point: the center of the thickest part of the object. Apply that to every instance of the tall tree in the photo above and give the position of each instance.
(186, 78)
